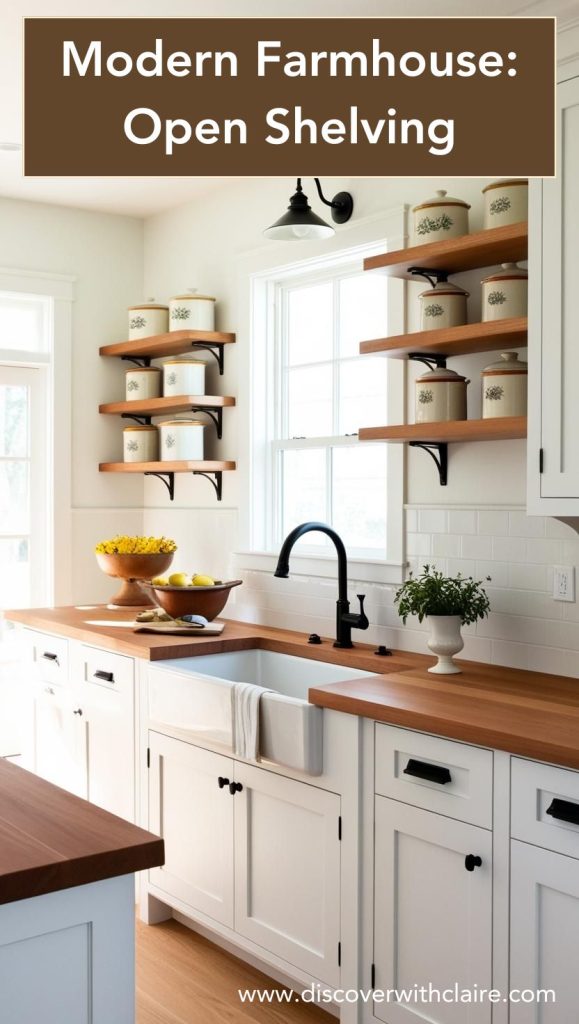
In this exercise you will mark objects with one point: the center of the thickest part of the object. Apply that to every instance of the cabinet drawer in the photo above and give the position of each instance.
(102, 668)
(50, 657)
(439, 775)
(545, 806)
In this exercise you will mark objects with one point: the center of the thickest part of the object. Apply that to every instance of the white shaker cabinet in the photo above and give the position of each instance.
(57, 739)
(432, 912)
(553, 452)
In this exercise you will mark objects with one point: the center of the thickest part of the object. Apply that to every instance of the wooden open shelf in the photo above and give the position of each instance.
(166, 467)
(165, 406)
(174, 343)
(452, 341)
(506, 244)
(507, 428)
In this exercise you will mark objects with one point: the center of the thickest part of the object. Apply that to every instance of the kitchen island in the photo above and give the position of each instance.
(66, 905)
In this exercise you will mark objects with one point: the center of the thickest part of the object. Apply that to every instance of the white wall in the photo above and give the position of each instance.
(105, 254)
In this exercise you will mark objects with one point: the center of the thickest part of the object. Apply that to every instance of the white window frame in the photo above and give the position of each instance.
(58, 292)
(258, 552)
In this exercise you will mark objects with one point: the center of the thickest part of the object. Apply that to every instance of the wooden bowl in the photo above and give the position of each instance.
(207, 601)
(131, 569)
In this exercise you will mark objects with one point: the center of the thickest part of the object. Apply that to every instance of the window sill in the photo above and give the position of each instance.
(364, 570)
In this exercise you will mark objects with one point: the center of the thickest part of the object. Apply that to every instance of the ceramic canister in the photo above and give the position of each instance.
(444, 305)
(140, 444)
(504, 387)
(506, 202)
(440, 396)
(192, 312)
(505, 294)
(183, 377)
(181, 440)
(142, 382)
(147, 319)
(440, 217)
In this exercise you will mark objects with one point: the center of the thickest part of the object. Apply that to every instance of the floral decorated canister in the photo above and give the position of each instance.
(438, 218)
(181, 440)
(506, 202)
(444, 305)
(192, 312)
(142, 382)
(440, 396)
(147, 320)
(504, 387)
(183, 377)
(504, 294)
(140, 444)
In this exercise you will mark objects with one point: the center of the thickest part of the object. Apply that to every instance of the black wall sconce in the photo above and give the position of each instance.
(300, 222)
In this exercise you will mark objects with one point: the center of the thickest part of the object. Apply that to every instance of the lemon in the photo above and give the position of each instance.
(203, 581)
(179, 579)
(160, 581)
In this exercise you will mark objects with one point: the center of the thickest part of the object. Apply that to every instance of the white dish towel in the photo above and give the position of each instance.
(245, 700)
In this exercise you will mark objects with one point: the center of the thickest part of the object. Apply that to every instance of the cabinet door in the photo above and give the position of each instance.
(287, 870)
(432, 917)
(110, 749)
(559, 357)
(59, 740)
(195, 818)
(544, 933)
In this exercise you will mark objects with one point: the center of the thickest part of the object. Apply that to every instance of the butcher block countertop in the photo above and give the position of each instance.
(52, 840)
(532, 714)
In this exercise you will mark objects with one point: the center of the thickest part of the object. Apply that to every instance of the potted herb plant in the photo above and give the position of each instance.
(448, 603)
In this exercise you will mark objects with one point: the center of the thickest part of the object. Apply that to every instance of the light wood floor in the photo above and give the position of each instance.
(184, 979)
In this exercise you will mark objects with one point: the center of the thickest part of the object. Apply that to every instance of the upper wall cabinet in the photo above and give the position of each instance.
(553, 427)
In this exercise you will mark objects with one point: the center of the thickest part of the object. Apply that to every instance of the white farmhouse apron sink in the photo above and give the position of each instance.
(193, 697)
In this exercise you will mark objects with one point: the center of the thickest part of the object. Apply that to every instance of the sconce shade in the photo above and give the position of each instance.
(299, 222)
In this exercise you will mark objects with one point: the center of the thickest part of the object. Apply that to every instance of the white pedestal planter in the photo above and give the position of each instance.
(445, 641)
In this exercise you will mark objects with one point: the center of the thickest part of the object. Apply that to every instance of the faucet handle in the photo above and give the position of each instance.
(363, 618)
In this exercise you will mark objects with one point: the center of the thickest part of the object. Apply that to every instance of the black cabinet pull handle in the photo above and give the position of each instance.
(221, 782)
(108, 677)
(78, 711)
(235, 787)
(430, 772)
(564, 810)
(50, 656)
(471, 862)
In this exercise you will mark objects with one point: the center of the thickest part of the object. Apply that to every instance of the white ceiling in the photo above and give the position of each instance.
(145, 196)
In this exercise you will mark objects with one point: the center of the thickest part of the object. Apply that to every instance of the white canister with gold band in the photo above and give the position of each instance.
(147, 320)
(183, 377)
(438, 218)
(504, 294)
(142, 382)
(181, 440)
(444, 305)
(140, 444)
(504, 387)
(192, 312)
(440, 396)
(506, 202)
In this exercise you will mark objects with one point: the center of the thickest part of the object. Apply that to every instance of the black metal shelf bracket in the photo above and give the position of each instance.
(214, 414)
(217, 351)
(143, 421)
(216, 479)
(438, 452)
(430, 274)
(137, 360)
(169, 481)
(431, 361)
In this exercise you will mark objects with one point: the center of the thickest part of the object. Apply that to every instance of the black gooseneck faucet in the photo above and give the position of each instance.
(346, 620)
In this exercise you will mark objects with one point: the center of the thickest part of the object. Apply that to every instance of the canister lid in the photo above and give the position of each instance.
(127, 429)
(508, 363)
(190, 296)
(441, 199)
(506, 183)
(182, 423)
(146, 305)
(443, 288)
(441, 375)
(143, 369)
(183, 362)
(510, 272)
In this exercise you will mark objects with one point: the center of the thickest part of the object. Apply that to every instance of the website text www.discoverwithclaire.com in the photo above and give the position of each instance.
(421, 995)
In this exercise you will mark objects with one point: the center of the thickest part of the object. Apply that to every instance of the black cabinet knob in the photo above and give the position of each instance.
(235, 787)
(221, 782)
(471, 862)
(78, 711)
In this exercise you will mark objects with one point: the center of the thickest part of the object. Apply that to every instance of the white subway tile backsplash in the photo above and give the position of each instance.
(433, 520)
(509, 549)
(558, 530)
(411, 520)
(509, 654)
(527, 576)
(522, 525)
(464, 566)
(418, 544)
(445, 544)
(477, 547)
(498, 572)
(547, 552)
(493, 524)
(462, 521)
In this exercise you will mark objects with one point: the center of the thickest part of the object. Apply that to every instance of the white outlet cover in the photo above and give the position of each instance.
(564, 582)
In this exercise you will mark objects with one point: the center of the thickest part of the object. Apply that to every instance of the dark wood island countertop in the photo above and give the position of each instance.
(51, 840)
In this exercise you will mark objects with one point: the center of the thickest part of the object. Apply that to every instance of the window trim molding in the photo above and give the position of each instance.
(377, 232)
